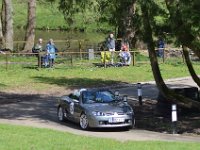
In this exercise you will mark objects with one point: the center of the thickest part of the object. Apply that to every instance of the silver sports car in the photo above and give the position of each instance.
(96, 109)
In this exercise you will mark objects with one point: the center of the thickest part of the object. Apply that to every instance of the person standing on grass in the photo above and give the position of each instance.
(37, 49)
(110, 43)
(50, 53)
(161, 46)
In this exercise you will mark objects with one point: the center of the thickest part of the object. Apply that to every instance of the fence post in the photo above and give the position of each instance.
(6, 61)
(139, 88)
(163, 55)
(174, 118)
(133, 58)
(39, 60)
(71, 60)
(80, 49)
(104, 60)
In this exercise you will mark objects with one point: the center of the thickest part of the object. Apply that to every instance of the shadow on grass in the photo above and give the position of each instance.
(2, 85)
(31, 67)
(77, 82)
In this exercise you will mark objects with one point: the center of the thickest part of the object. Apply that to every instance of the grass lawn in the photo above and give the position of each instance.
(64, 75)
(17, 137)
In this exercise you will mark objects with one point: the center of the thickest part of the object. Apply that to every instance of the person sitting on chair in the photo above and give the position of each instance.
(125, 55)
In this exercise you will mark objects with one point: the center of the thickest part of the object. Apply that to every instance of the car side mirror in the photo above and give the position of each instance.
(125, 98)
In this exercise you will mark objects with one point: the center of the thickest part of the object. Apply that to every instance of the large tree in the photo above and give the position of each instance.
(147, 17)
(120, 14)
(31, 23)
(156, 21)
(8, 22)
(185, 24)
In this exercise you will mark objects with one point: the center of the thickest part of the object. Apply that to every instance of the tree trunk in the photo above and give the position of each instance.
(126, 26)
(164, 90)
(190, 66)
(1, 33)
(31, 22)
(8, 24)
(152, 54)
(3, 17)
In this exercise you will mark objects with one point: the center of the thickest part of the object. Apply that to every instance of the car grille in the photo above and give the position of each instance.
(111, 113)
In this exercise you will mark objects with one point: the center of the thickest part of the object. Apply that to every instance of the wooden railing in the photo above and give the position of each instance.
(72, 55)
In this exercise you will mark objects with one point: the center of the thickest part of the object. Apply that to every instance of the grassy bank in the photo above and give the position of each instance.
(82, 74)
(16, 137)
(48, 16)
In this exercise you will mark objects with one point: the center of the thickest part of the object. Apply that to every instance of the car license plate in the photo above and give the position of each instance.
(116, 120)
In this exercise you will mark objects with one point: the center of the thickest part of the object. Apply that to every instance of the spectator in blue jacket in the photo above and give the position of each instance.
(161, 47)
(50, 53)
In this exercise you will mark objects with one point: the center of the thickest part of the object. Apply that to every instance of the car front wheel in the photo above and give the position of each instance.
(84, 122)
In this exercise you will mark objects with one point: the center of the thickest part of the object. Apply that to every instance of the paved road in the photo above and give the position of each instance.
(150, 91)
(40, 111)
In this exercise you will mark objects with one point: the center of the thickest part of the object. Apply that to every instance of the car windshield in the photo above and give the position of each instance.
(98, 97)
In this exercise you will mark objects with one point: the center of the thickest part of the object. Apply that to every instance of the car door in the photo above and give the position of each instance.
(76, 110)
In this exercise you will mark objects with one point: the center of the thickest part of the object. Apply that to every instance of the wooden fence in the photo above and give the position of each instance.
(6, 57)
(72, 56)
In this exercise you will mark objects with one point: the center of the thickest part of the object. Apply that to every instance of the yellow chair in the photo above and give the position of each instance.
(105, 56)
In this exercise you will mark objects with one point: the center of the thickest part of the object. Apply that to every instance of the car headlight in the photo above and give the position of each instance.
(98, 113)
(130, 112)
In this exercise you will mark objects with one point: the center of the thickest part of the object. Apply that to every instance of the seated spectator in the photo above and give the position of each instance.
(38, 47)
(125, 55)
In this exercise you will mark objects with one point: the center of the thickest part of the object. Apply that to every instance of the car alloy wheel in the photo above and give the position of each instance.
(60, 114)
(83, 121)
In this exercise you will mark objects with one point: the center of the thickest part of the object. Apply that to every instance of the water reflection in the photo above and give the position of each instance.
(64, 40)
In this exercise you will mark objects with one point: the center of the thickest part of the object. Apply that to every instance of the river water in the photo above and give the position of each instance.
(64, 40)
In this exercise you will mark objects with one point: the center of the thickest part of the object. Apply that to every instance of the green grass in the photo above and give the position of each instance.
(82, 74)
(48, 16)
(17, 137)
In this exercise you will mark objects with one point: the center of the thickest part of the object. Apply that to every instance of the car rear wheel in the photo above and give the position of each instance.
(84, 122)
(60, 114)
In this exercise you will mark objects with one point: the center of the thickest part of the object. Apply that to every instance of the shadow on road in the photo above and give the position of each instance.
(30, 107)
(43, 108)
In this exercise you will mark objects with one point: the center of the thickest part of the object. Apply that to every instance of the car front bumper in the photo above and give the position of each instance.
(110, 121)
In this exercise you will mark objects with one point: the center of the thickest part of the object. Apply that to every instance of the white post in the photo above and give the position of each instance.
(139, 88)
(174, 117)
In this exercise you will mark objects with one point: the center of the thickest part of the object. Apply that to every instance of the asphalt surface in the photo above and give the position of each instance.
(40, 111)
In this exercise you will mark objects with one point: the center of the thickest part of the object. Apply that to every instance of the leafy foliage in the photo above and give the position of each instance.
(185, 20)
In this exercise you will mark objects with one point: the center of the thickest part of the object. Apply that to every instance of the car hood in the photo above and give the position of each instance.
(108, 107)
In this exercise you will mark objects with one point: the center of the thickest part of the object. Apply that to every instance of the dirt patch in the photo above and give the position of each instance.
(148, 118)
